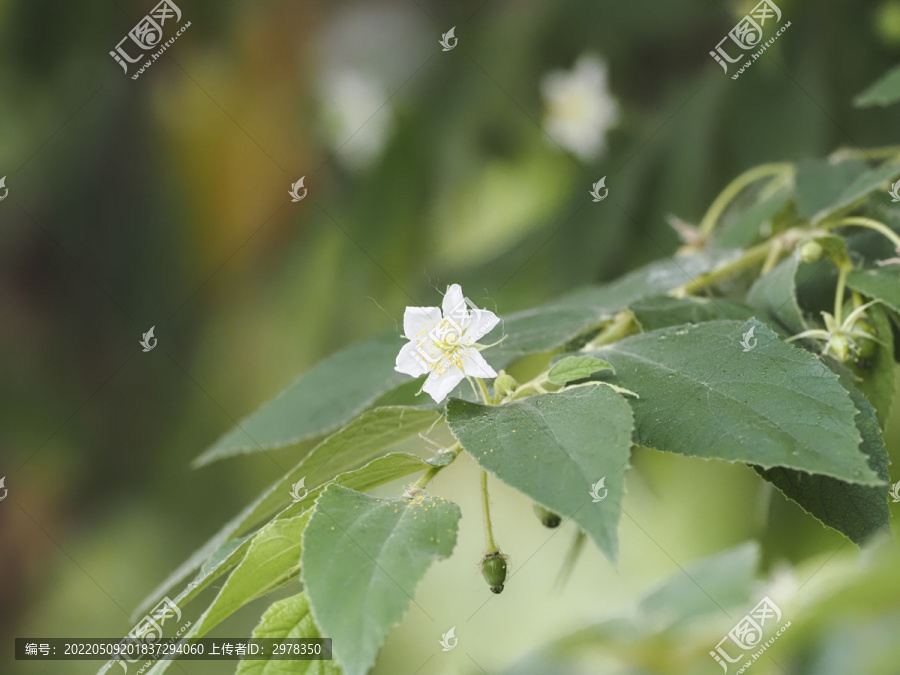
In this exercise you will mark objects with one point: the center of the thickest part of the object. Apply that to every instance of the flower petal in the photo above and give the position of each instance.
(417, 321)
(408, 361)
(442, 382)
(481, 322)
(474, 365)
(454, 304)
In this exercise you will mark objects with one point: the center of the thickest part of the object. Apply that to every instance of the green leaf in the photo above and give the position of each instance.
(856, 511)
(882, 284)
(573, 368)
(877, 372)
(663, 311)
(553, 448)
(362, 560)
(703, 395)
(866, 183)
(775, 294)
(271, 560)
(820, 182)
(288, 618)
(885, 91)
(320, 400)
(742, 229)
(360, 441)
(222, 554)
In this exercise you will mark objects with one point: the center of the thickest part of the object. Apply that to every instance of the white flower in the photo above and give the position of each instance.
(443, 346)
(580, 108)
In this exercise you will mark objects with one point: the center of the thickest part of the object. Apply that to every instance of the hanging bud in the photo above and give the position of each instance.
(493, 568)
(505, 384)
(811, 251)
(547, 518)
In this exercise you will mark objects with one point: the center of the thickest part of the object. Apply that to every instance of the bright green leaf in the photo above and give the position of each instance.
(362, 560)
(573, 368)
(554, 448)
(774, 405)
(288, 618)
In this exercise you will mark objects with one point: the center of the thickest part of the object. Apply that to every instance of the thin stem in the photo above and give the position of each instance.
(843, 271)
(868, 223)
(750, 257)
(484, 391)
(772, 258)
(435, 470)
(733, 189)
(619, 328)
(489, 546)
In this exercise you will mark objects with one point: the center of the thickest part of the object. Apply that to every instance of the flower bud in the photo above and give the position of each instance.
(811, 251)
(547, 518)
(840, 348)
(493, 568)
(505, 384)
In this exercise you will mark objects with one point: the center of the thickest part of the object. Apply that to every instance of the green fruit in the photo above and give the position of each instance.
(547, 518)
(493, 568)
(865, 349)
(505, 384)
(840, 348)
(811, 251)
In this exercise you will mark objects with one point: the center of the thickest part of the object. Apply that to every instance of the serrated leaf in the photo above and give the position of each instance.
(319, 401)
(572, 368)
(554, 448)
(775, 294)
(288, 618)
(856, 511)
(884, 91)
(271, 560)
(703, 395)
(362, 560)
(662, 311)
(877, 372)
(882, 284)
(226, 554)
(354, 445)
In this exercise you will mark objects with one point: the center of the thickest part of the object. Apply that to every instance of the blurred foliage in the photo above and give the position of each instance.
(161, 201)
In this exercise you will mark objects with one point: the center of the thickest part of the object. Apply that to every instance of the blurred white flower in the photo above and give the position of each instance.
(444, 345)
(357, 119)
(579, 107)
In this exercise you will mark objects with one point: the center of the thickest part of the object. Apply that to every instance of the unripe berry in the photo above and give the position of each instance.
(811, 251)
(493, 568)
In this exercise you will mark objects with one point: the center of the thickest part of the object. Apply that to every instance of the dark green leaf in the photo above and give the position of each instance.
(885, 91)
(554, 448)
(663, 311)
